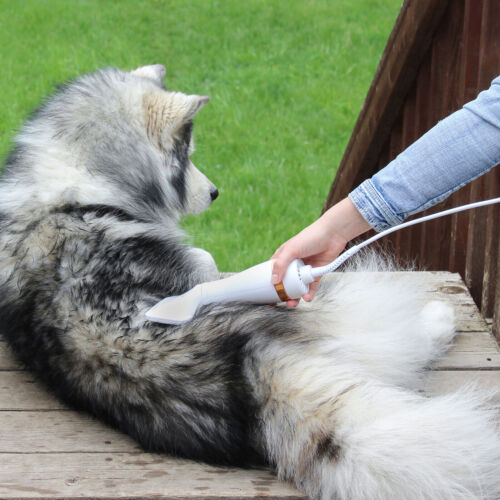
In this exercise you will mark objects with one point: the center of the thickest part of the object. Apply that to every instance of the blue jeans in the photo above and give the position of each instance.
(454, 152)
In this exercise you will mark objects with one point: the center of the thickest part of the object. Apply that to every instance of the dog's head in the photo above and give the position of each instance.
(112, 137)
(169, 125)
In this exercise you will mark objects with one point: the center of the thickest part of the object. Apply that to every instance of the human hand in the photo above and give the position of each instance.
(315, 246)
(320, 243)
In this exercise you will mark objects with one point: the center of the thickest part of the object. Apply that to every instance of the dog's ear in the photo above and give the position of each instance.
(167, 112)
(154, 72)
(194, 104)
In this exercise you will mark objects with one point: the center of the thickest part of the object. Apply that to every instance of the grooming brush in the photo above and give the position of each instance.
(254, 284)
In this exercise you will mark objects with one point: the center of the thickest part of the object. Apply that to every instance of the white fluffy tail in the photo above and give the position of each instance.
(335, 421)
(413, 448)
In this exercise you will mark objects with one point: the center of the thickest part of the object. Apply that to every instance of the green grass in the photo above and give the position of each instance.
(287, 80)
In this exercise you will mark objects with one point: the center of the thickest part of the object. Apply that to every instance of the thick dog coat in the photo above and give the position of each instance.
(89, 205)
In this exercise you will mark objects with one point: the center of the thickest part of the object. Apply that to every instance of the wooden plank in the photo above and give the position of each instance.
(423, 122)
(468, 84)
(471, 351)
(492, 247)
(496, 312)
(489, 54)
(27, 431)
(20, 391)
(127, 475)
(7, 358)
(445, 382)
(440, 251)
(403, 239)
(476, 242)
(459, 231)
(141, 475)
(473, 20)
(445, 67)
(58, 432)
(402, 56)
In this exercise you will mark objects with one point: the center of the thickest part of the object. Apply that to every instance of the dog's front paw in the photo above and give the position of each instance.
(205, 264)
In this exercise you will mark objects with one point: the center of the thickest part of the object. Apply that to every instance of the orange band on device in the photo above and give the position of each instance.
(280, 290)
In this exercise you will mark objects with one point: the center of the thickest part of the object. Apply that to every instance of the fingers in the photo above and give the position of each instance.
(313, 287)
(281, 258)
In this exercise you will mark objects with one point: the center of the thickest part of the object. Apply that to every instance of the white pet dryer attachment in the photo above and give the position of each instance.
(254, 284)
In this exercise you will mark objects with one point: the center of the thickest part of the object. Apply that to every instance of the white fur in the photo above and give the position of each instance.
(199, 189)
(354, 386)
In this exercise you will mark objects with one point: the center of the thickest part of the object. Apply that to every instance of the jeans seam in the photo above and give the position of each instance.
(367, 199)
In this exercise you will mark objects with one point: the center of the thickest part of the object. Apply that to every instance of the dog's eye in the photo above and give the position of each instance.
(179, 157)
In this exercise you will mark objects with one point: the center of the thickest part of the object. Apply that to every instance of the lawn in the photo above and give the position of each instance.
(287, 79)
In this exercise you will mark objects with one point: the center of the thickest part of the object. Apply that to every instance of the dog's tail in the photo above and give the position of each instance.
(388, 443)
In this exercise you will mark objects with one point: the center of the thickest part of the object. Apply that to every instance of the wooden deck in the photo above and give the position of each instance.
(48, 451)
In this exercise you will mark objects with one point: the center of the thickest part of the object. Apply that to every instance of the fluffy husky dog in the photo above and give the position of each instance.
(89, 205)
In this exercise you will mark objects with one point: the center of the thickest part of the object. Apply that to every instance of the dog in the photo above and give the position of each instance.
(90, 202)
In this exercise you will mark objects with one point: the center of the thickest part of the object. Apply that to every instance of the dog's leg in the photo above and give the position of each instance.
(378, 323)
(205, 264)
(398, 353)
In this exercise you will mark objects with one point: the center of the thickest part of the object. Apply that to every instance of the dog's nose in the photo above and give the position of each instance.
(214, 194)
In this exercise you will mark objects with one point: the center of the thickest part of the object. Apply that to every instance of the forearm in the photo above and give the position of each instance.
(344, 220)
(454, 152)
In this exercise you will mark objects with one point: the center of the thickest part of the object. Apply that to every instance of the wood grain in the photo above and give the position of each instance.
(59, 431)
(129, 475)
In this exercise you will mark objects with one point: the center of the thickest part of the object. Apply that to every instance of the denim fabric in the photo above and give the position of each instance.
(458, 149)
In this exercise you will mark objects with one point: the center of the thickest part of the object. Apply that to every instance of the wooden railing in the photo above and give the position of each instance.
(440, 54)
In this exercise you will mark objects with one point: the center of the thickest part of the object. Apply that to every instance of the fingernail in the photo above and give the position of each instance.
(274, 279)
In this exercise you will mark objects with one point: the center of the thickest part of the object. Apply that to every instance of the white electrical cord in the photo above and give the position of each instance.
(320, 271)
